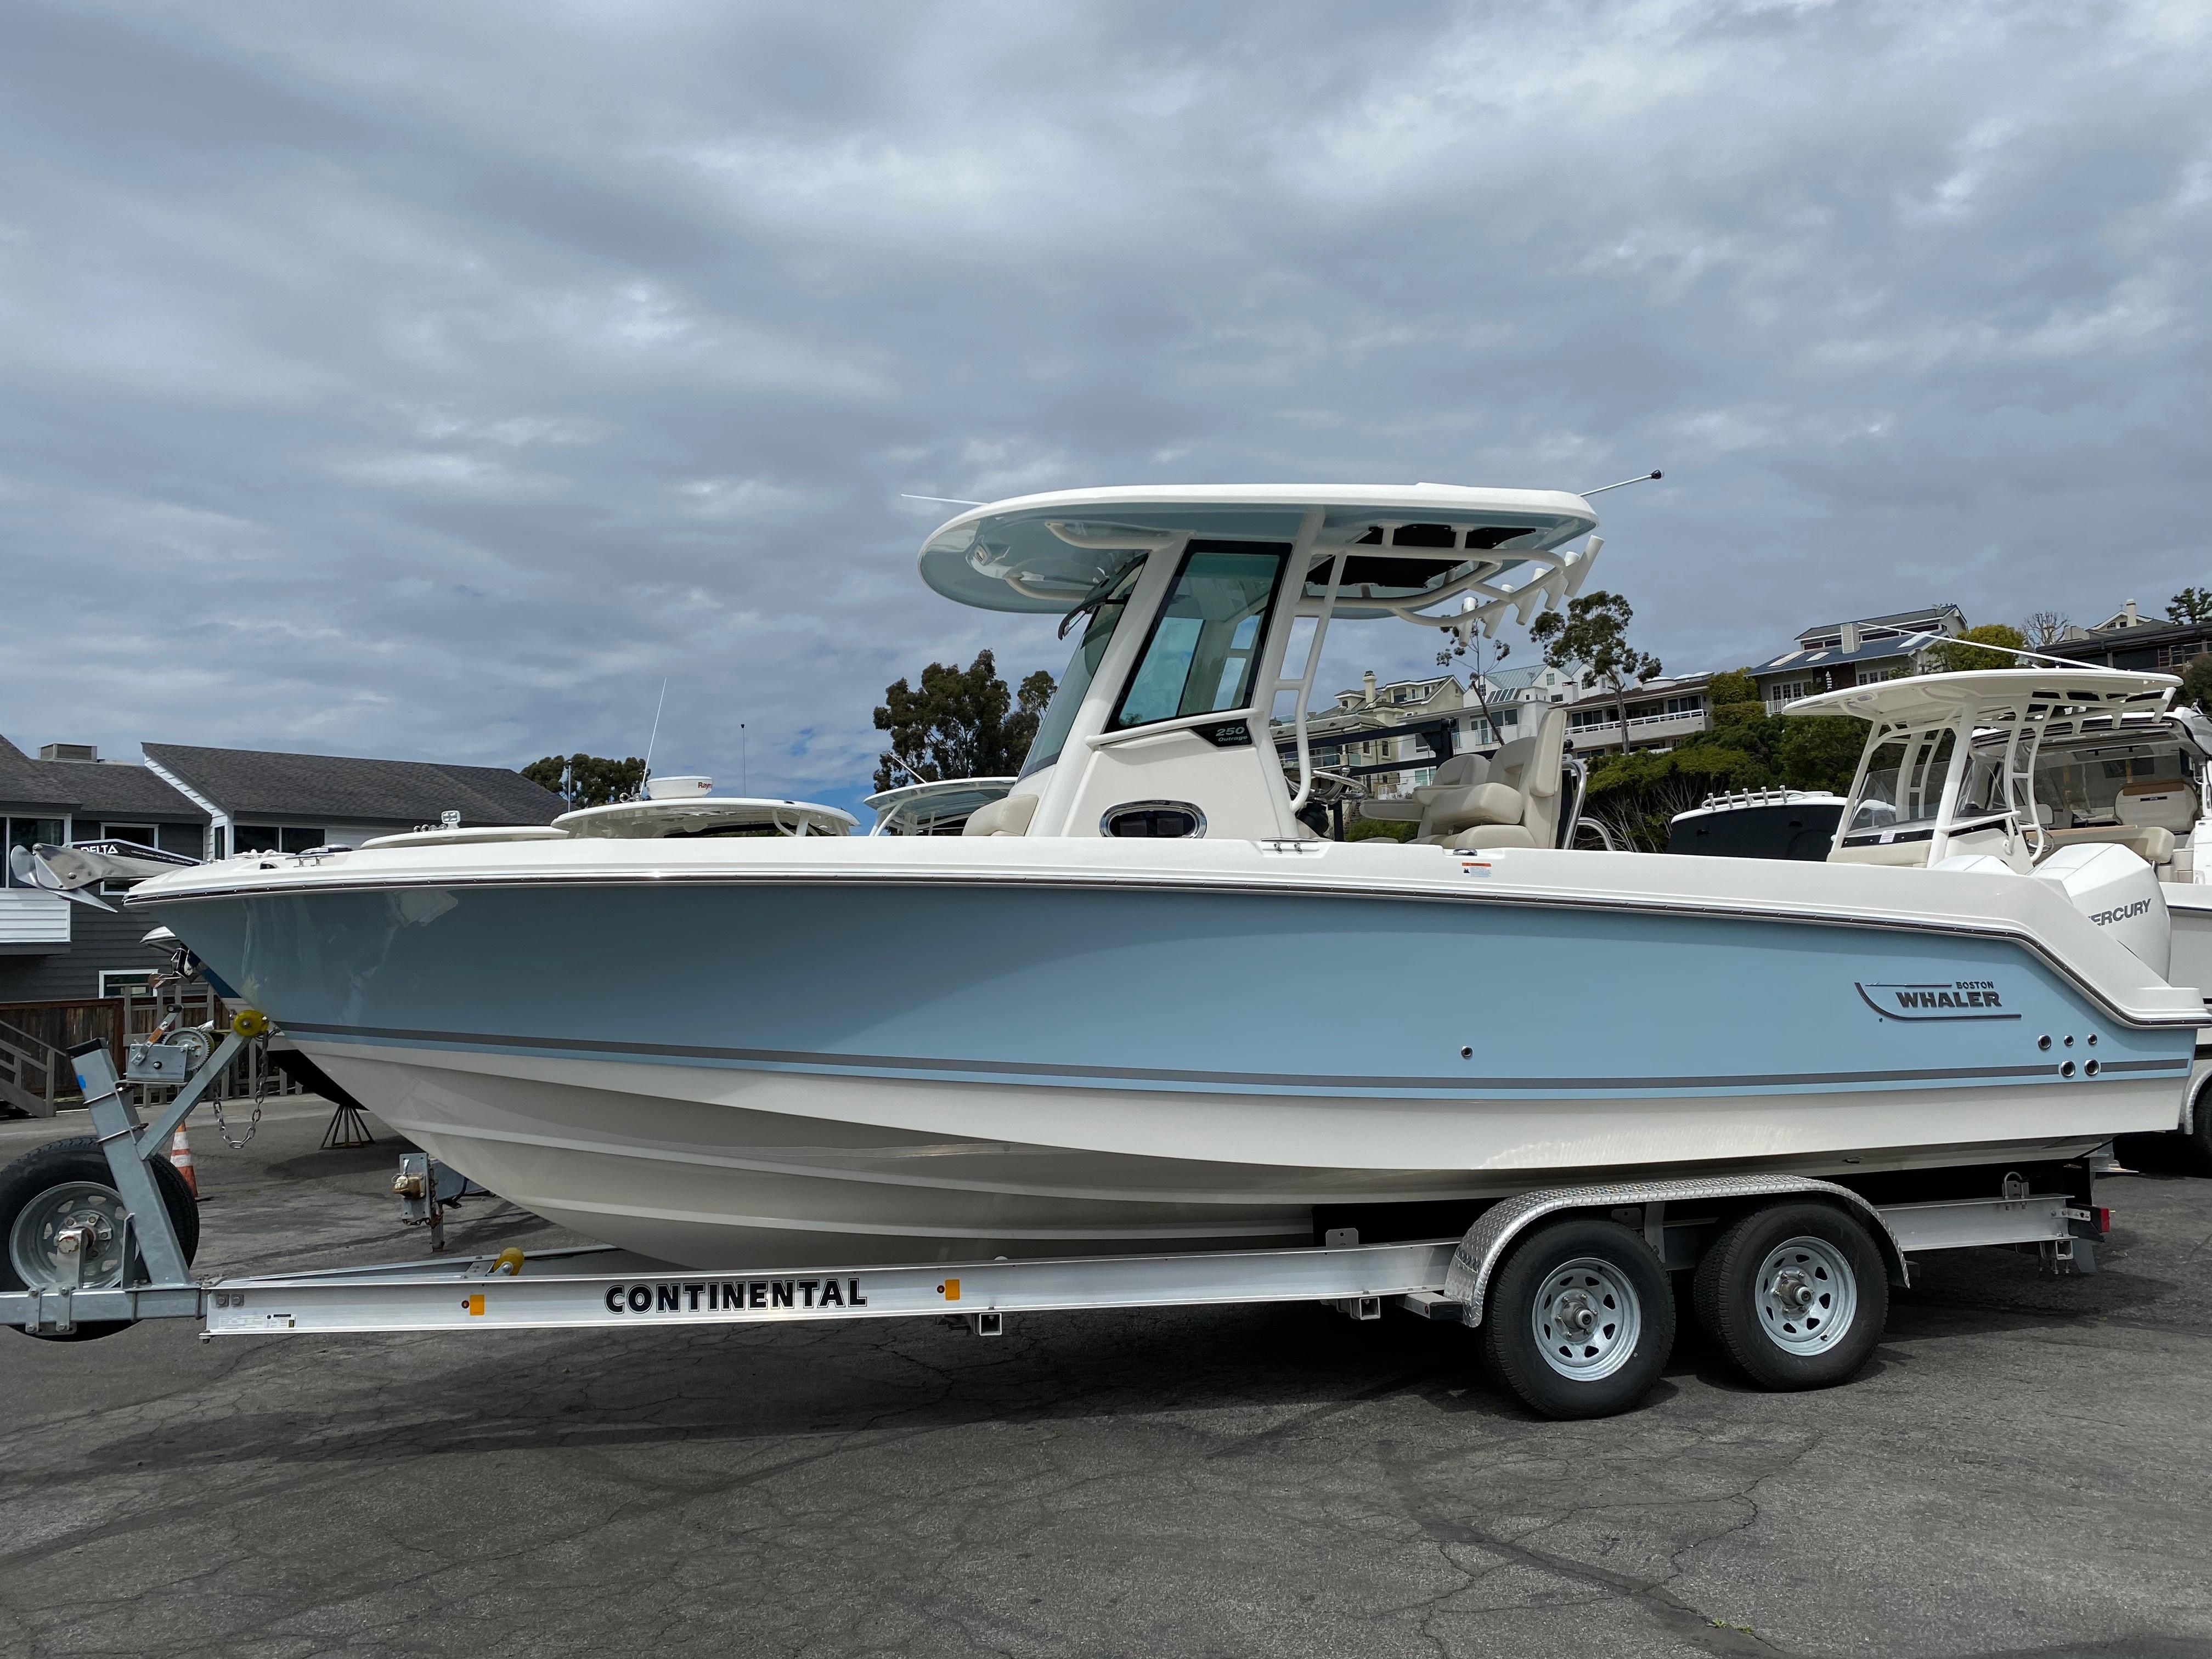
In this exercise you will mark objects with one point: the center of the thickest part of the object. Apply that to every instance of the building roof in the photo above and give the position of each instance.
(1514, 679)
(1897, 644)
(1665, 685)
(107, 788)
(1894, 619)
(343, 789)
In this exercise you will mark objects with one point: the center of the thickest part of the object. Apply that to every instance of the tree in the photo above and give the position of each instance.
(1822, 752)
(588, 780)
(2192, 605)
(1733, 697)
(1591, 638)
(960, 723)
(2042, 629)
(2196, 684)
(1958, 656)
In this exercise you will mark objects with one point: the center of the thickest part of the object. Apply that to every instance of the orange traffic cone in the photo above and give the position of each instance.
(180, 1155)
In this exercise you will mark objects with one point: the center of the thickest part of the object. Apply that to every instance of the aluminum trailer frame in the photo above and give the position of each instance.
(605, 1287)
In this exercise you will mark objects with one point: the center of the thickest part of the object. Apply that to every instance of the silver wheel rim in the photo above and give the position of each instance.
(34, 1242)
(1586, 1319)
(1807, 1296)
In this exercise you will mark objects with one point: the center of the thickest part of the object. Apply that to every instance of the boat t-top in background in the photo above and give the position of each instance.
(1082, 1036)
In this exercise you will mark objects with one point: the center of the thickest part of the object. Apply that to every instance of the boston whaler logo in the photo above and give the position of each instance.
(1950, 998)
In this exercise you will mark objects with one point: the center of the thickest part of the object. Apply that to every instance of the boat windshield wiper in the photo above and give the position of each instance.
(1096, 594)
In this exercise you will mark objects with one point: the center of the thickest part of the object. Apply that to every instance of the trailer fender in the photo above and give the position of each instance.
(1487, 1242)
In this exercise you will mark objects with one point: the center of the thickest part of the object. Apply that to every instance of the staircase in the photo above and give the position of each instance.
(33, 1075)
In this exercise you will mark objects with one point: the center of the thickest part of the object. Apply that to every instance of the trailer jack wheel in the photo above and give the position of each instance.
(59, 1205)
(1579, 1320)
(1795, 1295)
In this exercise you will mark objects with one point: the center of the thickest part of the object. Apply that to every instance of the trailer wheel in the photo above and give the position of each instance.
(67, 1181)
(1579, 1320)
(1795, 1295)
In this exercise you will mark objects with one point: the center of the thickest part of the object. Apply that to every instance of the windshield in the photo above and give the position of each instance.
(1060, 713)
(1904, 782)
(2088, 787)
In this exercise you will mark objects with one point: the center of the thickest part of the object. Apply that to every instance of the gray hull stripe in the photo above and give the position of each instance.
(1148, 1074)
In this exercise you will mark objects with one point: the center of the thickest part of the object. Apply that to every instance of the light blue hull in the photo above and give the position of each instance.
(741, 1073)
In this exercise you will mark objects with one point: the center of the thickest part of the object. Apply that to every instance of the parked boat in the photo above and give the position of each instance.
(1098, 1020)
(1758, 823)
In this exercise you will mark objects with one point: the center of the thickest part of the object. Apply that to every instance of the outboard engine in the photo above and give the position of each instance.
(2120, 893)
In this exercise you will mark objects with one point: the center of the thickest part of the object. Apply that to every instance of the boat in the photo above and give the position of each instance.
(1108, 1018)
(2088, 776)
(1758, 823)
(936, 807)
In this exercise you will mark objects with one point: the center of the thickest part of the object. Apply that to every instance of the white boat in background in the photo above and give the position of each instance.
(934, 808)
(2089, 778)
(1087, 1025)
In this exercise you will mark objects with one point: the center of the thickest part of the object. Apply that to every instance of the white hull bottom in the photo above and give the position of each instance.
(723, 1168)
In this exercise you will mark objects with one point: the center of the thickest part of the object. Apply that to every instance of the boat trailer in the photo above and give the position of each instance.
(600, 1286)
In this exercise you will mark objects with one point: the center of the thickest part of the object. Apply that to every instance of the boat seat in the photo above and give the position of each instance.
(1008, 815)
(2150, 842)
(1513, 801)
(2171, 804)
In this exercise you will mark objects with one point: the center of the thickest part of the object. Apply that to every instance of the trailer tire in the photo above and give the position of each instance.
(46, 1174)
(1795, 1295)
(1579, 1320)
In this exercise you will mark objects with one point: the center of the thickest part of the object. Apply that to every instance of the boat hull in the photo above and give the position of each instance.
(755, 1073)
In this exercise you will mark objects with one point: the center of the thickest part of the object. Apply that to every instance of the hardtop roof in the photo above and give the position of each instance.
(971, 558)
(1982, 694)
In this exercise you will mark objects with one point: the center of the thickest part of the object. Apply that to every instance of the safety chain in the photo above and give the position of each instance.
(258, 1047)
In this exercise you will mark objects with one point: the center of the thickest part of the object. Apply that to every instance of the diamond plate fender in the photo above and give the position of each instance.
(1487, 1242)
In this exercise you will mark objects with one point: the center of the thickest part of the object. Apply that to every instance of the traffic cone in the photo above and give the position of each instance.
(180, 1155)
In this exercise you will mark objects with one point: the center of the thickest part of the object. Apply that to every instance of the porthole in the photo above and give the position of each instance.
(1153, 820)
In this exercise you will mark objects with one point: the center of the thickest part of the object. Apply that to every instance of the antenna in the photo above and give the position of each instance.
(949, 501)
(745, 767)
(905, 768)
(655, 738)
(1641, 477)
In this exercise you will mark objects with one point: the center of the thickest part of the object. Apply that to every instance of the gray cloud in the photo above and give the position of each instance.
(433, 381)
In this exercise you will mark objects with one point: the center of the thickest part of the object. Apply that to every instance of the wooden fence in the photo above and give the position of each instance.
(42, 1032)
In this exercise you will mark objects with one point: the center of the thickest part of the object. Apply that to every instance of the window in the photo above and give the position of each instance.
(1424, 775)
(26, 833)
(1206, 645)
(1790, 690)
(1060, 713)
(1690, 705)
(1586, 720)
(113, 981)
(268, 838)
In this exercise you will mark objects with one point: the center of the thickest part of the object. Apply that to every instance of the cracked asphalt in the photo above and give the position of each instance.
(2026, 1469)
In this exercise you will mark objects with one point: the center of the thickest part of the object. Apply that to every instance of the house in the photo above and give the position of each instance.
(256, 801)
(1835, 655)
(2129, 639)
(50, 947)
(204, 803)
(1662, 713)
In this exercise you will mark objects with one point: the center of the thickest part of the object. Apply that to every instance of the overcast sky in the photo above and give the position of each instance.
(432, 380)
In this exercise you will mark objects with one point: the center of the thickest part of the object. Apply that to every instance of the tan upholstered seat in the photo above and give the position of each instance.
(1512, 801)
(1010, 815)
(2147, 841)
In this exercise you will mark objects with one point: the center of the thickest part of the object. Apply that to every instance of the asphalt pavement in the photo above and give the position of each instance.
(2025, 1469)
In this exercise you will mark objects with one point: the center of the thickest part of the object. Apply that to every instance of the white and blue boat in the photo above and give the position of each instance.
(1107, 1017)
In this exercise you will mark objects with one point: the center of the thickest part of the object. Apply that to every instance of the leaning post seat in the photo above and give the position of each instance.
(1513, 801)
